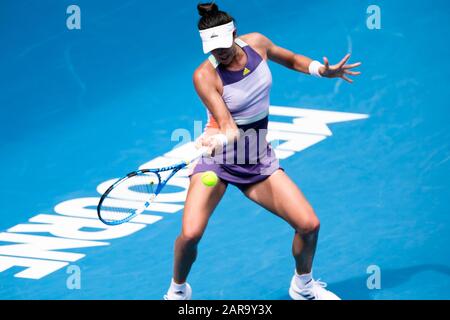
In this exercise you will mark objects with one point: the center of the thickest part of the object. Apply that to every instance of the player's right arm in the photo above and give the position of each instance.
(208, 88)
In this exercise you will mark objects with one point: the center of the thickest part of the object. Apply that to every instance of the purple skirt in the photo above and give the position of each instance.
(248, 161)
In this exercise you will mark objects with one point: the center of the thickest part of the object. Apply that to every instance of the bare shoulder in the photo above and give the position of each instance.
(205, 72)
(258, 42)
(256, 39)
(206, 78)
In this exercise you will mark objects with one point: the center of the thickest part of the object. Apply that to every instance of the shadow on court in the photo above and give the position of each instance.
(356, 289)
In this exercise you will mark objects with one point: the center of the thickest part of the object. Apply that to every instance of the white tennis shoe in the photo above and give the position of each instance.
(314, 290)
(179, 295)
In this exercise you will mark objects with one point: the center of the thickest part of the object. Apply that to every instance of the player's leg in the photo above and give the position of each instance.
(281, 196)
(200, 203)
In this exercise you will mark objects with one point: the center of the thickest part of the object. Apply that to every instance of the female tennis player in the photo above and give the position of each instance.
(234, 84)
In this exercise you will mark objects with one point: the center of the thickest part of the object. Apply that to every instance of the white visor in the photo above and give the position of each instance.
(217, 37)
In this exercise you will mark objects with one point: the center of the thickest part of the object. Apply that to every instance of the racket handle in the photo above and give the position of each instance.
(197, 154)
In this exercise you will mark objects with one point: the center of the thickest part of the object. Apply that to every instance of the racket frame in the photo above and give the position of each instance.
(161, 183)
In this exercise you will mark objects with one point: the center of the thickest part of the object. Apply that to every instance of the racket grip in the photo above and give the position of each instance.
(197, 154)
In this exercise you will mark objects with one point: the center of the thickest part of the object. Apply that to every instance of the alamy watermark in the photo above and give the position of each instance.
(73, 21)
(373, 21)
(73, 281)
(374, 280)
(246, 147)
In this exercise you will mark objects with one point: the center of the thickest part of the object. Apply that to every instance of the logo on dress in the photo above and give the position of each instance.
(246, 71)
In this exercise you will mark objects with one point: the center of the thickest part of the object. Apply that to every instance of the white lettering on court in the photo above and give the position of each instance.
(74, 224)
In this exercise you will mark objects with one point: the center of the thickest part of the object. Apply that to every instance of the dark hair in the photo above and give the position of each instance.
(211, 16)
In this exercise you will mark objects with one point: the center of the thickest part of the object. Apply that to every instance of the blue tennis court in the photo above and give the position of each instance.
(82, 107)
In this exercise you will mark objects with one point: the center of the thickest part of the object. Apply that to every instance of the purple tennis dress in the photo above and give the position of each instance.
(246, 93)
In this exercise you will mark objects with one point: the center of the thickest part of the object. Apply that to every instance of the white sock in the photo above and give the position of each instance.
(302, 280)
(175, 287)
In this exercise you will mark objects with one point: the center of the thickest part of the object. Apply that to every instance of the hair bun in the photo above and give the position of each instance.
(207, 9)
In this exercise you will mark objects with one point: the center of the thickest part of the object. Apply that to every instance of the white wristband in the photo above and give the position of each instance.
(314, 68)
(220, 137)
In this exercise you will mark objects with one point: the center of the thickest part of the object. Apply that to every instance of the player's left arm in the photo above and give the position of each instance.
(302, 63)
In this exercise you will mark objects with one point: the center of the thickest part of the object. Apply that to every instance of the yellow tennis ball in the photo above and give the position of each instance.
(209, 178)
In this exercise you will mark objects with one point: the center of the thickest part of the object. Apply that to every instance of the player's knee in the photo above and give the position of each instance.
(192, 236)
(308, 226)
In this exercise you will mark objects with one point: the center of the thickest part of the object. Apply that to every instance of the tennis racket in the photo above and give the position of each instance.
(143, 186)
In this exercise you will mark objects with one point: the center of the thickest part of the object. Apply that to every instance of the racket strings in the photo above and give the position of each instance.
(128, 197)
